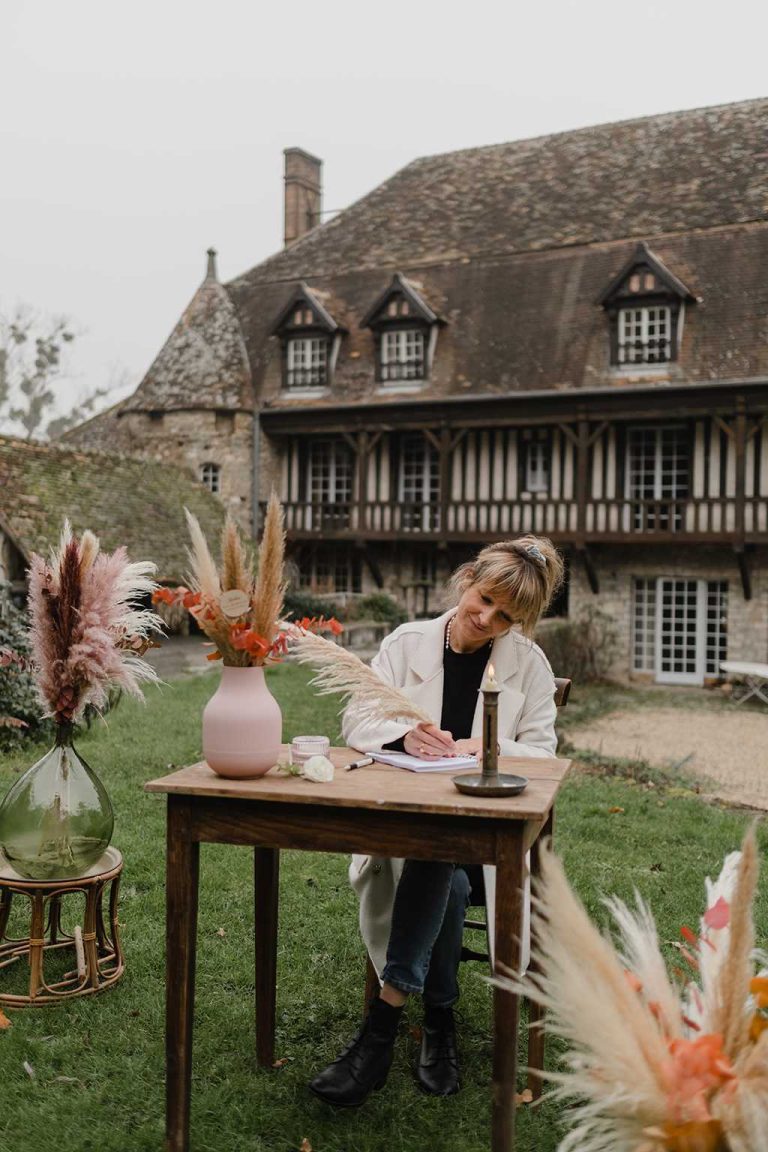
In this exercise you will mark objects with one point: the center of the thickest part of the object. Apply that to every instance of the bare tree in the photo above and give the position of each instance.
(31, 364)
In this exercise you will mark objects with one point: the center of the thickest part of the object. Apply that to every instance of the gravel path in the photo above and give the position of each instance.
(180, 656)
(727, 752)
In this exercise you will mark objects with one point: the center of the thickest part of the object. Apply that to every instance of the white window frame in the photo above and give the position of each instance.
(306, 362)
(537, 466)
(643, 624)
(419, 484)
(667, 478)
(642, 324)
(330, 481)
(403, 355)
(210, 475)
(653, 640)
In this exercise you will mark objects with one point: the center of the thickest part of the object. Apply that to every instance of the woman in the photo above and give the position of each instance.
(412, 911)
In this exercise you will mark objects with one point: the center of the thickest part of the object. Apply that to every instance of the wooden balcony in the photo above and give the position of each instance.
(706, 520)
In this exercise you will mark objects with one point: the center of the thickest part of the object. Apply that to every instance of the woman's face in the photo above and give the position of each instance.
(481, 616)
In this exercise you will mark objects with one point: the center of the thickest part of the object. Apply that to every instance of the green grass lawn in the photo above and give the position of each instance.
(99, 1062)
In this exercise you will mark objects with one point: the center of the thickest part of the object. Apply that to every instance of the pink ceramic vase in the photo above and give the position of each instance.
(242, 725)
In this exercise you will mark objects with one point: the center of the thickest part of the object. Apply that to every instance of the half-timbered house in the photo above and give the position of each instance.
(566, 335)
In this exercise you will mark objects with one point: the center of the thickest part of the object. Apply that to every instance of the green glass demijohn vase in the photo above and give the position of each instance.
(56, 821)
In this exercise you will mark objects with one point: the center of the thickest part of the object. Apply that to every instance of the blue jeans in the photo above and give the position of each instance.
(427, 928)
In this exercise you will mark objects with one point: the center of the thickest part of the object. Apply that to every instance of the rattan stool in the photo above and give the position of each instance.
(95, 944)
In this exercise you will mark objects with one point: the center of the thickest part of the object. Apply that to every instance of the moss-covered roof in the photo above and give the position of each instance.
(138, 503)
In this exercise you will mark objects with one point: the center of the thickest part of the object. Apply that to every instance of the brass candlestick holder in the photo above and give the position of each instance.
(490, 782)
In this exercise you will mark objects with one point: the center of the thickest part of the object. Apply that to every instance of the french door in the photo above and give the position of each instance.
(680, 628)
(657, 476)
(419, 485)
(329, 484)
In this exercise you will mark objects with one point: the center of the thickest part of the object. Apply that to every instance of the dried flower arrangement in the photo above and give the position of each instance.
(241, 613)
(341, 672)
(88, 632)
(655, 1067)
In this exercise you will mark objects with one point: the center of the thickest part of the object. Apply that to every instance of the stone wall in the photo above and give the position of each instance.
(192, 439)
(747, 619)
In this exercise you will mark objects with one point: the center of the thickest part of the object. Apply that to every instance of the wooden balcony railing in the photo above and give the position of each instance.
(691, 516)
(713, 518)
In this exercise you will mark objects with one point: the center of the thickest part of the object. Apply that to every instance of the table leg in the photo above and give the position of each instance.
(535, 1011)
(266, 876)
(745, 694)
(510, 865)
(182, 867)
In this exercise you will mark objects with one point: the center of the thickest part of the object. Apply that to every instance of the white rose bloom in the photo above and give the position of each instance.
(319, 769)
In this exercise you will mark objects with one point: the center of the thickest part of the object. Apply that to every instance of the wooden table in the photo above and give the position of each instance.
(375, 810)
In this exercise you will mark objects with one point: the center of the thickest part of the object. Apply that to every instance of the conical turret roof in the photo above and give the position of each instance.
(203, 364)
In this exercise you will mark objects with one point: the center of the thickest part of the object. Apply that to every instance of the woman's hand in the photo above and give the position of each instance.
(428, 740)
(470, 747)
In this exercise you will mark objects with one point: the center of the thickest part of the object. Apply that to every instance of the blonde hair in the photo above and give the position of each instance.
(525, 573)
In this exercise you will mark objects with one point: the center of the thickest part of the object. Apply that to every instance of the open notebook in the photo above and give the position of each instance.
(414, 764)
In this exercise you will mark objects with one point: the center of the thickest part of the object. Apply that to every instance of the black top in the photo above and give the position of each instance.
(462, 676)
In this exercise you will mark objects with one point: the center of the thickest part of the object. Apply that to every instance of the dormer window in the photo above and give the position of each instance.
(645, 335)
(402, 354)
(645, 305)
(405, 334)
(307, 362)
(310, 339)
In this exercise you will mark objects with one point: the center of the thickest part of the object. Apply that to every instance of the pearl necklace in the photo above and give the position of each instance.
(448, 628)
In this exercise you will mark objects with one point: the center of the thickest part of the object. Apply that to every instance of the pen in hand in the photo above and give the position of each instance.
(360, 763)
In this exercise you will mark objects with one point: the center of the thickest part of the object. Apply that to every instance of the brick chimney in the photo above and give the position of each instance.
(303, 193)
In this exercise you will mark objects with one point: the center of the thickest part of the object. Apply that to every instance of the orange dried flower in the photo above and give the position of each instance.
(758, 986)
(719, 915)
(695, 1136)
(757, 1026)
(696, 1069)
(634, 981)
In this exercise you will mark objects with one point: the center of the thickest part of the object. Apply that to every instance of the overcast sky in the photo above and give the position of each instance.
(134, 136)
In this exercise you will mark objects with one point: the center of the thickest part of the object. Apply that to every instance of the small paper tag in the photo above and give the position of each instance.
(234, 603)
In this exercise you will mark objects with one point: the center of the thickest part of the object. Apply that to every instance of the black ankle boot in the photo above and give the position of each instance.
(438, 1067)
(364, 1064)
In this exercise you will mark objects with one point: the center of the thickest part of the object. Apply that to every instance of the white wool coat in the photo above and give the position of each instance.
(411, 658)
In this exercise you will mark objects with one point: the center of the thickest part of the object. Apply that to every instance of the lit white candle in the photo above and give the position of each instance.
(489, 684)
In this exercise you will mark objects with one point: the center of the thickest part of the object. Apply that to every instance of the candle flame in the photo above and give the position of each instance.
(491, 673)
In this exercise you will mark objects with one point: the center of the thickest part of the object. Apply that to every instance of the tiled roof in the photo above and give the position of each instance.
(138, 503)
(203, 363)
(532, 321)
(103, 432)
(660, 174)
(512, 246)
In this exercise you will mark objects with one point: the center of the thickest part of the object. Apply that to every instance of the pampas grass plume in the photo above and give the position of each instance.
(236, 566)
(338, 671)
(84, 604)
(270, 583)
(730, 1017)
(204, 576)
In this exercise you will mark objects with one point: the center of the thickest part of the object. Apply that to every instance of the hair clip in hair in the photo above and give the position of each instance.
(536, 553)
